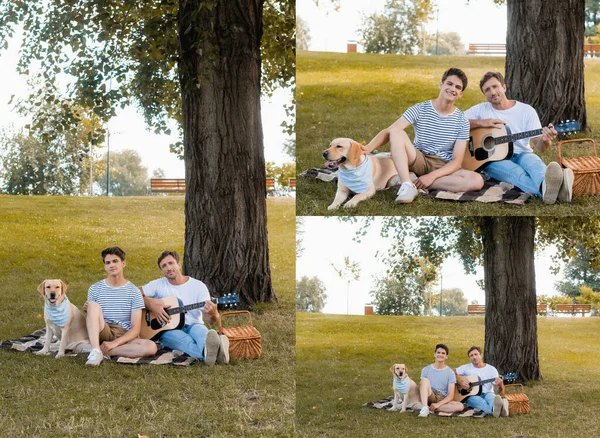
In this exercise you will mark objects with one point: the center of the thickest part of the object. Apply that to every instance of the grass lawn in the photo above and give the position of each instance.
(343, 361)
(358, 95)
(61, 237)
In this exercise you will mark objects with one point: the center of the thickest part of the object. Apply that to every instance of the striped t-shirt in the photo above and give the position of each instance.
(117, 303)
(436, 134)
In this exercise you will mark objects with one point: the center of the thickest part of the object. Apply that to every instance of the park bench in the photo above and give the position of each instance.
(542, 309)
(175, 185)
(574, 308)
(591, 50)
(487, 49)
(476, 309)
(293, 183)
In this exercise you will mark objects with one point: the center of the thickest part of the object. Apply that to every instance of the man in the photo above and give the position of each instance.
(488, 401)
(441, 135)
(194, 338)
(437, 385)
(525, 169)
(114, 313)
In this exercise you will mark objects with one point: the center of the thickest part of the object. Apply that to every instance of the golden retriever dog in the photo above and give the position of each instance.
(405, 388)
(63, 319)
(358, 173)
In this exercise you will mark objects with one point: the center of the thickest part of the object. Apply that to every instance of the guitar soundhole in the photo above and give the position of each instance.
(488, 143)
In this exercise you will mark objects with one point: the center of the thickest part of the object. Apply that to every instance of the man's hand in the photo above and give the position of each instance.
(492, 123)
(158, 308)
(107, 346)
(549, 133)
(424, 181)
(210, 312)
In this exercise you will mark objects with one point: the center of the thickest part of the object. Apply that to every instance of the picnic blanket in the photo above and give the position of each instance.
(387, 403)
(492, 191)
(35, 342)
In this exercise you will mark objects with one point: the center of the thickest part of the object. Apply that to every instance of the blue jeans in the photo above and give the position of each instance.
(525, 170)
(483, 402)
(190, 339)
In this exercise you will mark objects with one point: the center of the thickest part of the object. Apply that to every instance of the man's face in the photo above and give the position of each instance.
(169, 267)
(494, 91)
(113, 265)
(475, 357)
(440, 355)
(451, 88)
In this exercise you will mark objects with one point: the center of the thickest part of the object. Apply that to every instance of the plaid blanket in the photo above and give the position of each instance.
(35, 342)
(387, 403)
(492, 191)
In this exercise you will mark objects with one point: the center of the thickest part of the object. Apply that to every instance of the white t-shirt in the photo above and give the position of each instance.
(485, 373)
(191, 292)
(520, 118)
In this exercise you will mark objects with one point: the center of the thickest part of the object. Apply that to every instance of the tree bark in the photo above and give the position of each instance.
(510, 297)
(544, 57)
(225, 207)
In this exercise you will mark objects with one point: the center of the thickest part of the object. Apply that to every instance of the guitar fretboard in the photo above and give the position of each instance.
(517, 136)
(182, 309)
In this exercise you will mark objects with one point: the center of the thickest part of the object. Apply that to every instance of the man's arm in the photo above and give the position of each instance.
(542, 142)
(157, 307)
(210, 314)
(486, 123)
(384, 136)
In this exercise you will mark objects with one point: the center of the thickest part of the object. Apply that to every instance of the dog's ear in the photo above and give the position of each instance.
(354, 153)
(405, 369)
(40, 288)
(392, 368)
(63, 286)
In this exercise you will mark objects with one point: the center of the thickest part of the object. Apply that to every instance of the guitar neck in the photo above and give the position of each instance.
(517, 136)
(183, 309)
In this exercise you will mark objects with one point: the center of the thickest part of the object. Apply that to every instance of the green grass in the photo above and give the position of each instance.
(61, 237)
(357, 95)
(343, 362)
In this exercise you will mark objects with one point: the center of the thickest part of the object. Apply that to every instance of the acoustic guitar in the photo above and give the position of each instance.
(153, 329)
(476, 385)
(487, 145)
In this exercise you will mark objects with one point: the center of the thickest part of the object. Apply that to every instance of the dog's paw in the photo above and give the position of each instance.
(59, 355)
(42, 352)
(333, 207)
(350, 204)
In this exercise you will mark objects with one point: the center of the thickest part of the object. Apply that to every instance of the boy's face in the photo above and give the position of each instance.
(451, 88)
(440, 355)
(113, 265)
(494, 91)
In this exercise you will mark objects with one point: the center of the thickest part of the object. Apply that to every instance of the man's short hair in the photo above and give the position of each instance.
(489, 75)
(444, 346)
(113, 250)
(168, 253)
(474, 347)
(453, 71)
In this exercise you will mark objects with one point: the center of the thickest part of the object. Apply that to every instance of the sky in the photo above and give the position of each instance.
(327, 241)
(481, 21)
(128, 129)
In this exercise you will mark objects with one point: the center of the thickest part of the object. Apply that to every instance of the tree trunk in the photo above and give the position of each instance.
(544, 57)
(225, 206)
(510, 299)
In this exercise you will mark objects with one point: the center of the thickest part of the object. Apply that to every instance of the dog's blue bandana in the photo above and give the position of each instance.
(401, 385)
(60, 314)
(358, 179)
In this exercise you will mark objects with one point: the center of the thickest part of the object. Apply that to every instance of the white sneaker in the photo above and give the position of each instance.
(223, 353)
(211, 348)
(553, 179)
(565, 193)
(497, 406)
(504, 411)
(94, 358)
(408, 191)
(424, 411)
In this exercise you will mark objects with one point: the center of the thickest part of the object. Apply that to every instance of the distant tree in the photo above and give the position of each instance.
(404, 293)
(287, 171)
(454, 302)
(302, 34)
(592, 17)
(553, 300)
(158, 173)
(579, 271)
(588, 296)
(398, 29)
(127, 175)
(289, 147)
(349, 271)
(449, 43)
(299, 233)
(310, 295)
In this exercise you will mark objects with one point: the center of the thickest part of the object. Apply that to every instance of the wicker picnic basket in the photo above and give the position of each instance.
(518, 402)
(244, 341)
(586, 170)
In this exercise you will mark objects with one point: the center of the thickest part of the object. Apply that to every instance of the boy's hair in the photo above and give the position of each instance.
(113, 250)
(444, 346)
(168, 253)
(489, 75)
(473, 348)
(453, 71)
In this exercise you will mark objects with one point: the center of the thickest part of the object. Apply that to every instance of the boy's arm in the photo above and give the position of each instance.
(450, 167)
(130, 335)
(384, 136)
